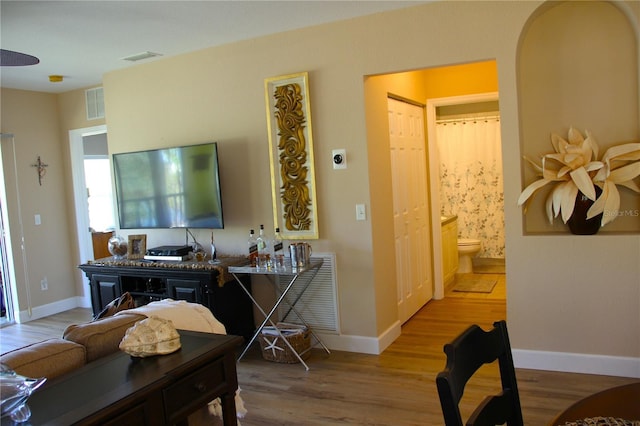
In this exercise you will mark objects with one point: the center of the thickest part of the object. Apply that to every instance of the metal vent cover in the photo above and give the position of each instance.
(95, 103)
(318, 303)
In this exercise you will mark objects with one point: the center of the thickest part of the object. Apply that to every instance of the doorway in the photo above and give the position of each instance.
(435, 168)
(92, 192)
(8, 302)
(422, 85)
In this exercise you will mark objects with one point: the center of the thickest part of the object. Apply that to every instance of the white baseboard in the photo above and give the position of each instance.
(51, 309)
(535, 360)
(604, 365)
(362, 344)
(83, 302)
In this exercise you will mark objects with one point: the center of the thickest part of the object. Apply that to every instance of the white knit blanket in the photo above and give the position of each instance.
(192, 317)
(183, 315)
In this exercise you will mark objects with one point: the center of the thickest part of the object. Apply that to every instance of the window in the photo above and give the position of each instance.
(97, 174)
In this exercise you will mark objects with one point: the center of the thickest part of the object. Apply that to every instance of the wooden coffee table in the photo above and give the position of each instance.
(165, 389)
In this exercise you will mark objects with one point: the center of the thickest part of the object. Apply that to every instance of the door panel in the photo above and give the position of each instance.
(182, 289)
(410, 207)
(105, 288)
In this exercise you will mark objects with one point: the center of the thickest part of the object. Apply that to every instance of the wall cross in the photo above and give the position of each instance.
(40, 166)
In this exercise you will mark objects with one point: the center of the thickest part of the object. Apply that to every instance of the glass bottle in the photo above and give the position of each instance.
(278, 251)
(278, 247)
(261, 241)
(263, 251)
(253, 248)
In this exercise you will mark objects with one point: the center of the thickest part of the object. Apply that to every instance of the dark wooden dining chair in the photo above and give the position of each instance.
(465, 355)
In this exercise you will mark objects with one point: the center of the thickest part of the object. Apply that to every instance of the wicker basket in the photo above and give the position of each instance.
(274, 349)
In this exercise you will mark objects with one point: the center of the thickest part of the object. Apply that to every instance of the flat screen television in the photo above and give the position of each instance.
(169, 188)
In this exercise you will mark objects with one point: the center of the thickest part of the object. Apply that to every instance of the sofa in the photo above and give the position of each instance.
(79, 344)
(87, 342)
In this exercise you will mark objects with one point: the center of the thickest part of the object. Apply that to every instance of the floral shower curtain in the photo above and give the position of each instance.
(471, 184)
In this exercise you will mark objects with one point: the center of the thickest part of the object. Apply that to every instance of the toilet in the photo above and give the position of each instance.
(467, 249)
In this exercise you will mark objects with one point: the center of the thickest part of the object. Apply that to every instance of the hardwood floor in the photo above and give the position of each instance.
(395, 388)
(15, 336)
(398, 386)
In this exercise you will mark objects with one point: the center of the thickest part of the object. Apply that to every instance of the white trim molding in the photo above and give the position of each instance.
(76, 148)
(49, 309)
(604, 365)
(362, 344)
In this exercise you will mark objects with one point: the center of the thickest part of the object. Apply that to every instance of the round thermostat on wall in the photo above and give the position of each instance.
(339, 157)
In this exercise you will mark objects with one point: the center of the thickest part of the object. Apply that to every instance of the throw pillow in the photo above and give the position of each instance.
(120, 304)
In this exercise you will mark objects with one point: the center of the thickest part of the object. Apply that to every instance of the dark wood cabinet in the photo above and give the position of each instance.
(104, 288)
(192, 282)
(184, 289)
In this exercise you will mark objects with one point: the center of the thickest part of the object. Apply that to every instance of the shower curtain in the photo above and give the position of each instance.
(471, 184)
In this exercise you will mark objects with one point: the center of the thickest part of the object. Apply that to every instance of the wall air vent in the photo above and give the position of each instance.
(95, 103)
(317, 301)
(141, 56)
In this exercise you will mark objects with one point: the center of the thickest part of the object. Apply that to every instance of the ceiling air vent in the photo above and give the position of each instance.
(141, 56)
(95, 103)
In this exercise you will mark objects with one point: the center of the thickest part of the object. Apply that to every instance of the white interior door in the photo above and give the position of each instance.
(410, 207)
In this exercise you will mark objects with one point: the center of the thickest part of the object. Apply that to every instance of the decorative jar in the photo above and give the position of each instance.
(118, 247)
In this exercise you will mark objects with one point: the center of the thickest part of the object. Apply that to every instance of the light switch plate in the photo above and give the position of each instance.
(361, 212)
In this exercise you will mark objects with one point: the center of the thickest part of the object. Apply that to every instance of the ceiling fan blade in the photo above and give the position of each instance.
(9, 58)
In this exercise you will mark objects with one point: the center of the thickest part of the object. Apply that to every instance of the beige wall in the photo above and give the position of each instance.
(217, 94)
(590, 81)
(557, 283)
(33, 119)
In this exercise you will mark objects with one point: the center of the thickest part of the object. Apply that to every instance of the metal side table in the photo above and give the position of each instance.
(306, 273)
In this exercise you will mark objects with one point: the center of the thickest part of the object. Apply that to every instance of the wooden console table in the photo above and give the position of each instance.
(159, 390)
(195, 282)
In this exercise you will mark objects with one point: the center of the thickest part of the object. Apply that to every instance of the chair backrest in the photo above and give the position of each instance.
(465, 355)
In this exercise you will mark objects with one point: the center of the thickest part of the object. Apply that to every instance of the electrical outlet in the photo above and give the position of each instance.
(44, 285)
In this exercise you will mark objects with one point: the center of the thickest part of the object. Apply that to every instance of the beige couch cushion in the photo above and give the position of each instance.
(101, 337)
(50, 358)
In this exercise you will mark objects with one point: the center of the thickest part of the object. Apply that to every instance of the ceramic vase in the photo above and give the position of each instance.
(578, 222)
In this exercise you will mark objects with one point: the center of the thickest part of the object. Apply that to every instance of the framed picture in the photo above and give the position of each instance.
(293, 186)
(137, 246)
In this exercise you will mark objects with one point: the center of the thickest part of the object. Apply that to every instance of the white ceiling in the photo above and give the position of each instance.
(81, 40)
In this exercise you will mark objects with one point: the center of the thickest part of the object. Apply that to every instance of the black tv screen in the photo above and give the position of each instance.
(169, 188)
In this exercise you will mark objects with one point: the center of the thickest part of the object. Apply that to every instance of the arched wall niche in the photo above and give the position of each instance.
(578, 65)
